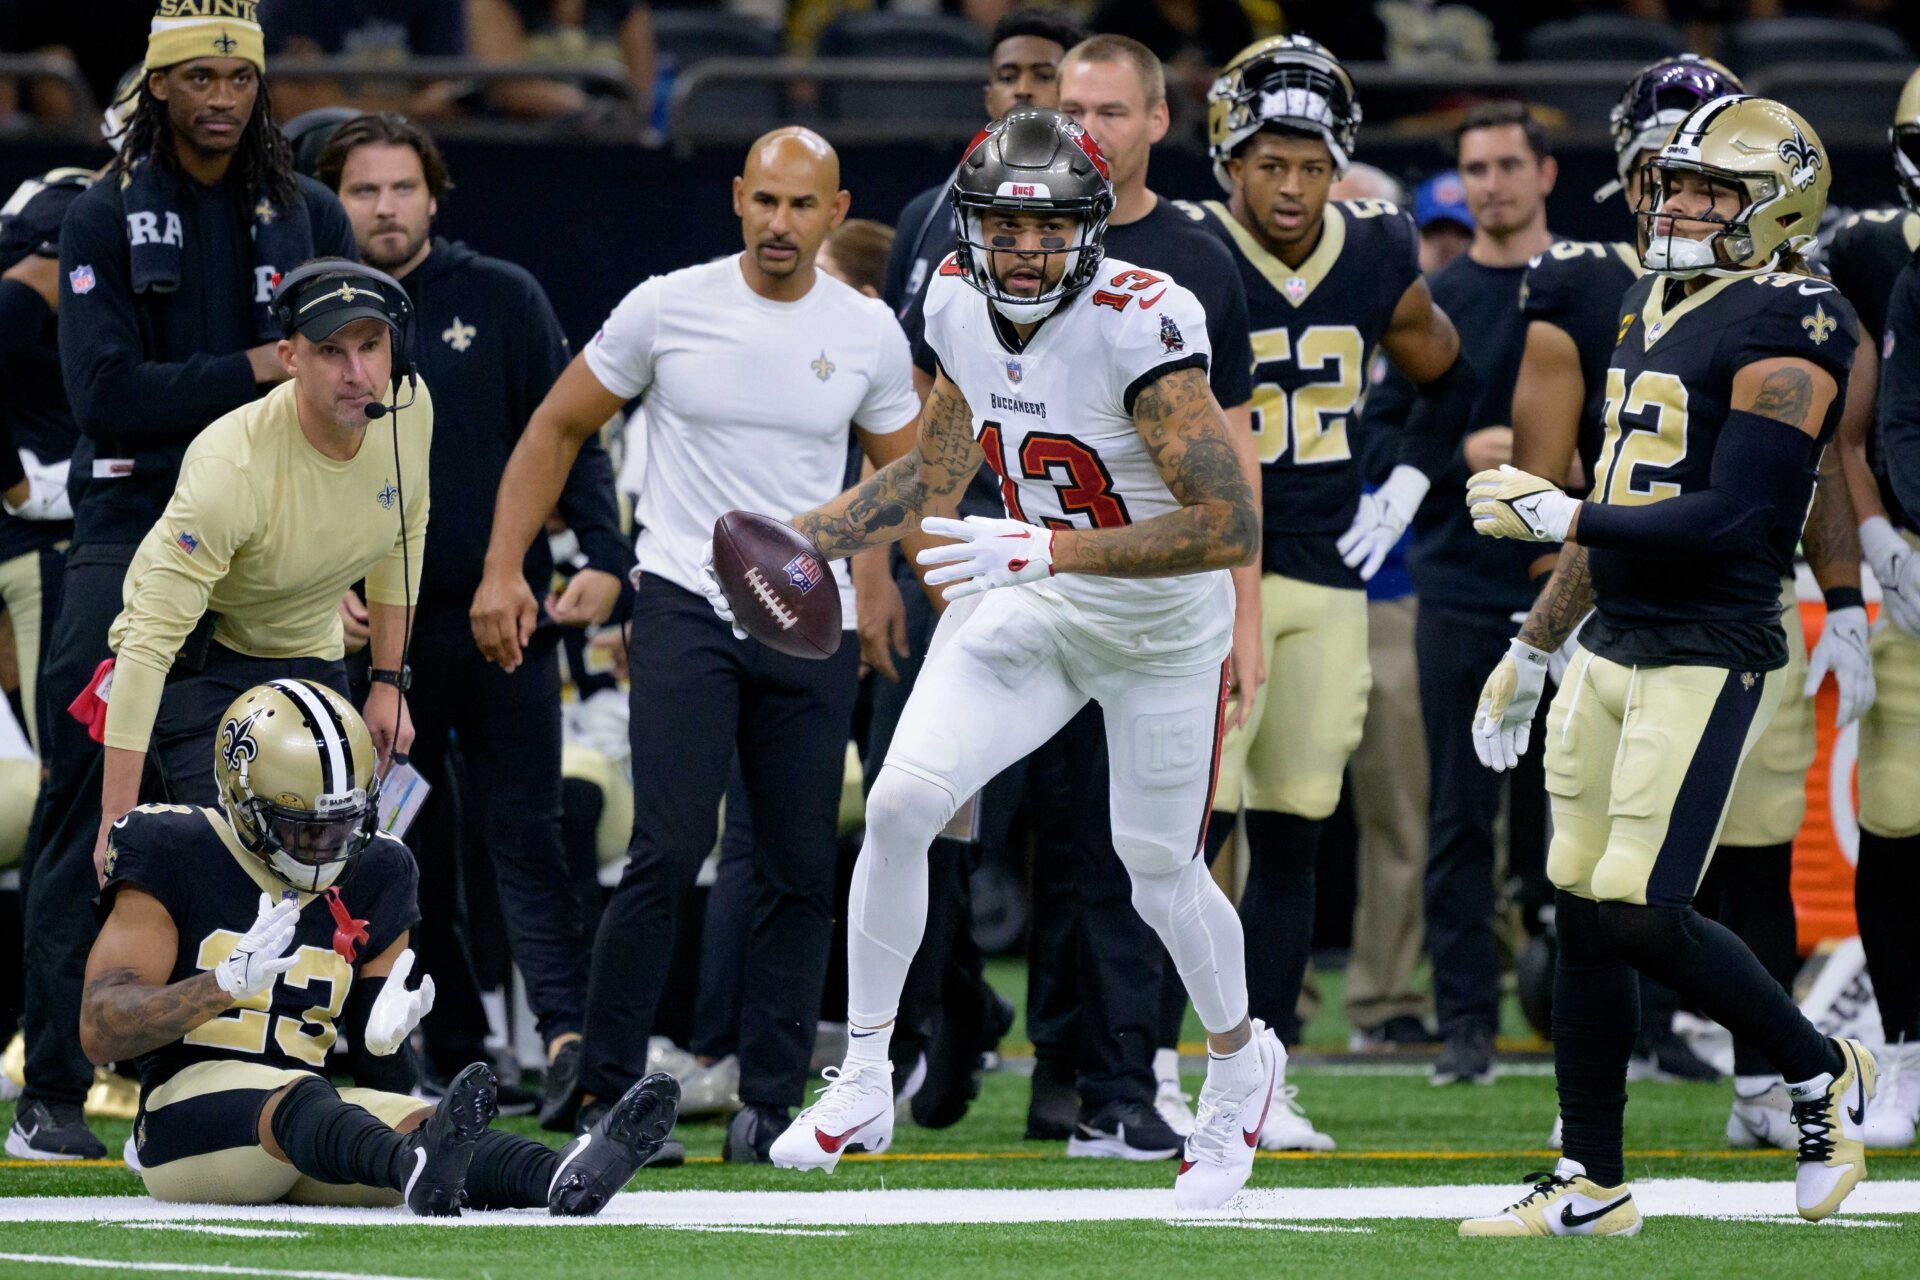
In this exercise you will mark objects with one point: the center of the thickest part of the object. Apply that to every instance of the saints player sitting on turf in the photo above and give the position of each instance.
(1572, 302)
(1728, 380)
(232, 960)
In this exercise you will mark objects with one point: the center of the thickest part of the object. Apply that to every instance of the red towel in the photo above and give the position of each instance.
(90, 708)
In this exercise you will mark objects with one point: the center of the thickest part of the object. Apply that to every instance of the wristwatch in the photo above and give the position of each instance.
(401, 679)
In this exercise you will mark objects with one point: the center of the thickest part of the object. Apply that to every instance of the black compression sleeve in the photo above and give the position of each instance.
(1438, 419)
(1754, 462)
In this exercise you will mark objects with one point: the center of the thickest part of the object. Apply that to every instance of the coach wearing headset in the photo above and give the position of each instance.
(281, 505)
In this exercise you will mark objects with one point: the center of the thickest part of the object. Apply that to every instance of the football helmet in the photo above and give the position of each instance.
(1658, 99)
(1905, 136)
(119, 113)
(1031, 160)
(30, 220)
(1769, 157)
(295, 767)
(1290, 82)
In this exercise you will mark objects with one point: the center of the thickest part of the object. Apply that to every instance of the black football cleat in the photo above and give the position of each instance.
(595, 1165)
(751, 1132)
(560, 1097)
(57, 1131)
(442, 1148)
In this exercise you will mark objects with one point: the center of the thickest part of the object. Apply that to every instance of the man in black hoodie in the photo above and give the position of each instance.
(490, 345)
(166, 269)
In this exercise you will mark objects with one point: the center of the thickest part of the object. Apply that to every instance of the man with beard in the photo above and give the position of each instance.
(167, 271)
(490, 342)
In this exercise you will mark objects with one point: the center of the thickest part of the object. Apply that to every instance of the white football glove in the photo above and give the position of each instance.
(1560, 659)
(46, 490)
(1897, 568)
(989, 553)
(397, 1011)
(1503, 724)
(260, 956)
(1843, 651)
(710, 588)
(1382, 517)
(1509, 503)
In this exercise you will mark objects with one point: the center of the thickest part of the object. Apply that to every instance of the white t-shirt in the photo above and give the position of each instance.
(747, 401)
(1056, 420)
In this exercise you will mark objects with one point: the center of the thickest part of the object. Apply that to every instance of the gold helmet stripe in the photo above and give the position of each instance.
(329, 735)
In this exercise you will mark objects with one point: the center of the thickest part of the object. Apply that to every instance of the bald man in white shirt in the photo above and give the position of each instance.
(751, 369)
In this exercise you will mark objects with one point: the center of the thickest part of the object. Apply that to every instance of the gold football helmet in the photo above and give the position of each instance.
(295, 767)
(1905, 136)
(1771, 161)
(1289, 81)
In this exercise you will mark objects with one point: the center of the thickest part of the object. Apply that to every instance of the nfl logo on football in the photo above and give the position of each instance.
(804, 572)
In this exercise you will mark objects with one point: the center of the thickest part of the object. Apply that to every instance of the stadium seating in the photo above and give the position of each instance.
(1612, 36)
(903, 36)
(1748, 46)
(686, 37)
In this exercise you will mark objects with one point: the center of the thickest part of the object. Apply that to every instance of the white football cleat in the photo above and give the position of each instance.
(853, 1113)
(1763, 1118)
(1226, 1129)
(1891, 1116)
(1171, 1103)
(1829, 1111)
(1556, 1139)
(1287, 1127)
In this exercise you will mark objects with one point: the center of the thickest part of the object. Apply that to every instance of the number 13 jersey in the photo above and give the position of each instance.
(1054, 416)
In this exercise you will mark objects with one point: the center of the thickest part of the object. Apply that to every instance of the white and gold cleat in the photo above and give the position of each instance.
(1829, 1111)
(1565, 1202)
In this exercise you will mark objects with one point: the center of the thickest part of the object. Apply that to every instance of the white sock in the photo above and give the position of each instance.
(867, 1046)
(887, 909)
(1238, 1072)
(1749, 1087)
(1166, 1065)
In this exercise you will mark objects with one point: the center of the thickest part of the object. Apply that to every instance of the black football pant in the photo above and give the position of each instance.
(1455, 651)
(506, 727)
(698, 696)
(190, 707)
(56, 875)
(1095, 968)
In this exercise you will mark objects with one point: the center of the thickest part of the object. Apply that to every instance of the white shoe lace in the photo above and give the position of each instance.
(1213, 1128)
(836, 1096)
(1286, 1095)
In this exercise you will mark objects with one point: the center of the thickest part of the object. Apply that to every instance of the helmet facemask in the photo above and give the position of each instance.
(1293, 83)
(1906, 163)
(1081, 250)
(1728, 248)
(306, 848)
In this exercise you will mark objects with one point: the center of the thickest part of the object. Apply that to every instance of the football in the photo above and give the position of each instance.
(782, 592)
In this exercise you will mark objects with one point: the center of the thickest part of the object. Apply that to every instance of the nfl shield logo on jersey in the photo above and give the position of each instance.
(1296, 288)
(804, 572)
(81, 278)
(1013, 372)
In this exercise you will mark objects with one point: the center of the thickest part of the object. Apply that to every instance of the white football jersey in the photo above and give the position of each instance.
(1055, 420)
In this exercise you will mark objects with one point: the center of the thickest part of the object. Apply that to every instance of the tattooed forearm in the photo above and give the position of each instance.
(122, 1017)
(1218, 524)
(890, 502)
(1566, 599)
(1785, 396)
(1832, 535)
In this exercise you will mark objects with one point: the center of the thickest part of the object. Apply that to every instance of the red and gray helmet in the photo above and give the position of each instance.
(1032, 160)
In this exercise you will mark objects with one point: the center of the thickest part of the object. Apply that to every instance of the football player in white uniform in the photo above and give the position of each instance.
(1084, 381)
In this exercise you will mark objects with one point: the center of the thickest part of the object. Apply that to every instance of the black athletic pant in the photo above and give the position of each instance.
(1455, 650)
(723, 933)
(57, 875)
(507, 727)
(190, 708)
(698, 696)
(1098, 973)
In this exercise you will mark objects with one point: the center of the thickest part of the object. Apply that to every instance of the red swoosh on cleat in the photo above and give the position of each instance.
(1185, 1164)
(832, 1143)
(1253, 1136)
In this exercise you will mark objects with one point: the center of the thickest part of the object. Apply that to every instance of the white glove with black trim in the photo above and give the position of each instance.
(1843, 651)
(260, 957)
(1509, 503)
(989, 553)
(46, 490)
(1381, 518)
(711, 589)
(397, 1011)
(1898, 570)
(1503, 724)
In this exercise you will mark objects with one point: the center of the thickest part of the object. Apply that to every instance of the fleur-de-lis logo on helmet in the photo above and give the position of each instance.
(1804, 158)
(237, 747)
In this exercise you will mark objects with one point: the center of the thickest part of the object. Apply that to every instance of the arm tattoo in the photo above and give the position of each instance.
(122, 1017)
(1831, 536)
(1565, 600)
(890, 502)
(1785, 396)
(1218, 524)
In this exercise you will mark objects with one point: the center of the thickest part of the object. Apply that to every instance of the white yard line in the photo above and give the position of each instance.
(188, 1268)
(209, 1229)
(1686, 1197)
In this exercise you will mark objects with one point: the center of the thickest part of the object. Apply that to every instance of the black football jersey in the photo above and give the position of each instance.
(1314, 329)
(1667, 393)
(1576, 286)
(1896, 438)
(1865, 256)
(189, 860)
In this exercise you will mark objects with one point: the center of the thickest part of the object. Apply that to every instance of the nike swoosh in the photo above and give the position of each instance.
(1147, 304)
(28, 1134)
(1253, 1137)
(1858, 1114)
(1806, 292)
(1185, 1164)
(831, 1143)
(586, 1140)
(1568, 1218)
(419, 1167)
(1016, 535)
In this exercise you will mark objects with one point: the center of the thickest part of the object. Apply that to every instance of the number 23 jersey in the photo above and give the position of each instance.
(1054, 417)
(190, 862)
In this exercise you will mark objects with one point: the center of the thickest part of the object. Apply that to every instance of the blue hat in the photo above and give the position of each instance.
(1441, 198)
